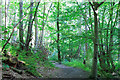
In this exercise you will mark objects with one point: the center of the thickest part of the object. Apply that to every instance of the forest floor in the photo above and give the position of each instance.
(60, 71)
(63, 71)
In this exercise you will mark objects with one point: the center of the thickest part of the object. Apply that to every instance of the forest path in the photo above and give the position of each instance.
(67, 72)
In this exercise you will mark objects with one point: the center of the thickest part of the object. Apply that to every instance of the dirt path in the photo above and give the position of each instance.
(67, 72)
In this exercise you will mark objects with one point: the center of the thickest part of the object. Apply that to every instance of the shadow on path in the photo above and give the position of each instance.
(67, 72)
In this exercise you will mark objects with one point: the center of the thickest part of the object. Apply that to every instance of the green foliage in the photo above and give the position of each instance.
(53, 58)
(31, 62)
(34, 61)
(104, 74)
(5, 66)
(48, 64)
(72, 21)
(117, 64)
(77, 64)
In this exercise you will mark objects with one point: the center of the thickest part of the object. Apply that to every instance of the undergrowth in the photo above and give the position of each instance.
(77, 64)
(32, 60)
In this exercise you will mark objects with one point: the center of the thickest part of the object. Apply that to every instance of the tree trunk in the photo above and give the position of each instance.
(101, 55)
(5, 31)
(29, 33)
(13, 39)
(86, 44)
(58, 35)
(79, 33)
(36, 31)
(111, 41)
(107, 45)
(78, 51)
(95, 6)
(43, 25)
(94, 67)
(21, 25)
(0, 39)
(0, 20)
(119, 38)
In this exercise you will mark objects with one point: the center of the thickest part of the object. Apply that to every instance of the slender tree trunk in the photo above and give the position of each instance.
(58, 35)
(14, 37)
(36, 33)
(94, 68)
(21, 25)
(44, 20)
(0, 39)
(111, 40)
(107, 45)
(95, 6)
(78, 51)
(6, 12)
(119, 38)
(102, 52)
(5, 31)
(79, 33)
(0, 19)
(43, 25)
(86, 44)
(84, 49)
(29, 33)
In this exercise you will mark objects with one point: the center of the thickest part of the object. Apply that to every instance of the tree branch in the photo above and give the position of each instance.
(35, 12)
(91, 5)
(100, 3)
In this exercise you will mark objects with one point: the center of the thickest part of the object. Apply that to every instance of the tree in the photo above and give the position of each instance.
(29, 33)
(86, 44)
(5, 31)
(21, 25)
(58, 35)
(95, 7)
(43, 25)
(119, 38)
(13, 40)
(101, 54)
(0, 19)
(36, 31)
(0, 35)
(111, 40)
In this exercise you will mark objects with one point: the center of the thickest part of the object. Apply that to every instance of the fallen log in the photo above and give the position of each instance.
(16, 70)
